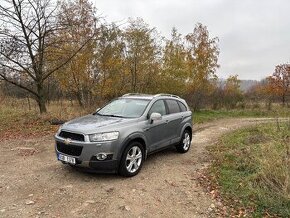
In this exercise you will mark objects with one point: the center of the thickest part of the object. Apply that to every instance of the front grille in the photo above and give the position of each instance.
(74, 150)
(72, 136)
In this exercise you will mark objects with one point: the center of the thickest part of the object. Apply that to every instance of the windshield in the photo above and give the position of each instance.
(124, 107)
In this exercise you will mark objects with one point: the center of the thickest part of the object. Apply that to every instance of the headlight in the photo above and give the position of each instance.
(106, 136)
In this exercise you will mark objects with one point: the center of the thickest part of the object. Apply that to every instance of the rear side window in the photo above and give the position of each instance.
(158, 107)
(182, 106)
(172, 106)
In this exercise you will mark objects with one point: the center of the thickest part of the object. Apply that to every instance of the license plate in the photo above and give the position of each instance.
(66, 159)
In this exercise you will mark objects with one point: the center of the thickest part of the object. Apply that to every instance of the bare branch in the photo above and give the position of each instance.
(18, 84)
(69, 59)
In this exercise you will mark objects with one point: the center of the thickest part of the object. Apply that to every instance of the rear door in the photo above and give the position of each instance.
(173, 120)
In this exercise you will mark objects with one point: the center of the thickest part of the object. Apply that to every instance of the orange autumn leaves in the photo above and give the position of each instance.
(277, 85)
(279, 82)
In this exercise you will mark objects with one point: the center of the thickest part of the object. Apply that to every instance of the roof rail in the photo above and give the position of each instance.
(128, 94)
(164, 94)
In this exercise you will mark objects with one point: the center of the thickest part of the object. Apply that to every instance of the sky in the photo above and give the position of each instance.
(254, 35)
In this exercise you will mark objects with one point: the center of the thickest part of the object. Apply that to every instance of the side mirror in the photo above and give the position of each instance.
(155, 116)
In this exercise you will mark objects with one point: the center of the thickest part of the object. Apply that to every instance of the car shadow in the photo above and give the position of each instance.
(86, 174)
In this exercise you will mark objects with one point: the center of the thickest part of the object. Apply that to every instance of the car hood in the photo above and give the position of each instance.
(93, 123)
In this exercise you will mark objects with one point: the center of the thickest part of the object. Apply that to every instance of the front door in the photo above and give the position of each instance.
(156, 131)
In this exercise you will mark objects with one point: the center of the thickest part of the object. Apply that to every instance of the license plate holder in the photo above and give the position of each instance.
(66, 159)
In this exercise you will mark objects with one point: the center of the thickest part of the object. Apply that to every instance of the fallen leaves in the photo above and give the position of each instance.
(28, 131)
(25, 151)
(170, 183)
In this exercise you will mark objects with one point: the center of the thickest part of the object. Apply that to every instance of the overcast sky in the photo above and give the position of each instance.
(254, 34)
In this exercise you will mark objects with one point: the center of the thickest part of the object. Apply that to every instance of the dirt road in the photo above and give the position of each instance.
(34, 184)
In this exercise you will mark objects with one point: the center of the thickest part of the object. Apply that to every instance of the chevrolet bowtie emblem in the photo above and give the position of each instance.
(67, 141)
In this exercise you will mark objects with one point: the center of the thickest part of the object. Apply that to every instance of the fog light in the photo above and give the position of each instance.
(101, 156)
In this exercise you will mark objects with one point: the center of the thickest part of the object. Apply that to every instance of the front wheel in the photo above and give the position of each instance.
(185, 142)
(132, 160)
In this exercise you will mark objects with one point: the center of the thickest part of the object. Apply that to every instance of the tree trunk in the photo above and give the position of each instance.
(79, 98)
(269, 104)
(41, 98)
(134, 76)
(28, 101)
(41, 105)
(283, 100)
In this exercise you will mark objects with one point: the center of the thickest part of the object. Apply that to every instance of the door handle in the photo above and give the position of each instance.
(166, 121)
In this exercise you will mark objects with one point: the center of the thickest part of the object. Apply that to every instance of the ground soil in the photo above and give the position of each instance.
(34, 184)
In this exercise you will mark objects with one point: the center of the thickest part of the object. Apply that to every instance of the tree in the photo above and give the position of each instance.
(76, 77)
(217, 97)
(279, 82)
(174, 72)
(202, 62)
(262, 91)
(110, 63)
(232, 91)
(28, 45)
(142, 55)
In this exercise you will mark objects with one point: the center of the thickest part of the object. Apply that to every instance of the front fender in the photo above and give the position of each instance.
(128, 139)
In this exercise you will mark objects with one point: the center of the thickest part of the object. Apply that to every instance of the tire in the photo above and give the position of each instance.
(132, 159)
(185, 142)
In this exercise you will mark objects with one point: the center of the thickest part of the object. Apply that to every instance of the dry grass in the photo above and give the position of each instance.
(56, 109)
(275, 163)
(18, 118)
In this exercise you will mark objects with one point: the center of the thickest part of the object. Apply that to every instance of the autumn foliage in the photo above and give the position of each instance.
(275, 88)
(79, 56)
(136, 58)
(279, 82)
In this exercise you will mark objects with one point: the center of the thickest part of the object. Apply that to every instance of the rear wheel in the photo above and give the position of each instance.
(132, 159)
(185, 142)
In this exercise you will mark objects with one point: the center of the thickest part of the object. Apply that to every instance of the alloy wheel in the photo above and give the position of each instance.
(186, 141)
(133, 159)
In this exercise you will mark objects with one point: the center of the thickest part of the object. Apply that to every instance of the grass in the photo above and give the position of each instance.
(210, 115)
(252, 169)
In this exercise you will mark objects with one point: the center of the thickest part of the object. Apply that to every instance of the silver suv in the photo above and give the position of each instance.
(119, 136)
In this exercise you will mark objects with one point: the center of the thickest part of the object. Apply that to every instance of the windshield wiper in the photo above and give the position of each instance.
(110, 115)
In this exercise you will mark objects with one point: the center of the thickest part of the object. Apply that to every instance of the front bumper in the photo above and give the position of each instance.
(85, 153)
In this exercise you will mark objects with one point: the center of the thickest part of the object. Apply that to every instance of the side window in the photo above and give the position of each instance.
(158, 107)
(172, 106)
(182, 106)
